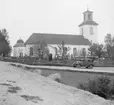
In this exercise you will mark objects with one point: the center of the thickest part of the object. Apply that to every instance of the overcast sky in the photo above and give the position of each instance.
(21, 18)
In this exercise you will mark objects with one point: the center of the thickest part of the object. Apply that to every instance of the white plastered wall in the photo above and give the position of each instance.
(18, 50)
(86, 33)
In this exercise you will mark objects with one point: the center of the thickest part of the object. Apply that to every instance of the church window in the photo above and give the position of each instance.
(31, 51)
(75, 52)
(91, 31)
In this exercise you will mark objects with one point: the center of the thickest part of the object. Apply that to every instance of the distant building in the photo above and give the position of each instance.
(88, 34)
(19, 48)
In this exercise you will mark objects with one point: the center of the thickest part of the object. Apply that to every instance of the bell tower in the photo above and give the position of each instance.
(88, 28)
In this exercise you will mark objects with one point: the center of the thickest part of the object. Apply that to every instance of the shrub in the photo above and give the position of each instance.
(102, 86)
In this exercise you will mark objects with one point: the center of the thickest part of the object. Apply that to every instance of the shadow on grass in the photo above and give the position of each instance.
(14, 89)
(5, 84)
(34, 99)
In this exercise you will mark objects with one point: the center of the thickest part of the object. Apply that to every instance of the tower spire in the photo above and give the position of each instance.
(87, 7)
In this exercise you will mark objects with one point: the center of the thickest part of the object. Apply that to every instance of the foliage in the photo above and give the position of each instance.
(40, 49)
(83, 52)
(50, 57)
(102, 86)
(63, 50)
(5, 48)
(56, 51)
(96, 50)
(109, 45)
(75, 53)
(109, 40)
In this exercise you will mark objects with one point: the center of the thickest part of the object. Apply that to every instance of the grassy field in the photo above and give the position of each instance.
(74, 78)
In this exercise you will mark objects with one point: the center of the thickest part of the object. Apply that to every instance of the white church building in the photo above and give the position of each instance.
(88, 35)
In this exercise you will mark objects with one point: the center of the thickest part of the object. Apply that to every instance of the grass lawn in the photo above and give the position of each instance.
(74, 78)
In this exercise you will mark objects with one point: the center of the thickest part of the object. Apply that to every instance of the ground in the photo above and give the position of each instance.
(21, 87)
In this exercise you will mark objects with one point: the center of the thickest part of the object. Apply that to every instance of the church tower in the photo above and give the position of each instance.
(88, 28)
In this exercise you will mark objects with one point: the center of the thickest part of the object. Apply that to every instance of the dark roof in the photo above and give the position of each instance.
(20, 43)
(88, 23)
(87, 11)
(57, 39)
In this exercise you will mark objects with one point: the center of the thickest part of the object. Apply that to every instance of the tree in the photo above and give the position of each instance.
(100, 85)
(41, 49)
(55, 49)
(92, 49)
(63, 50)
(75, 52)
(96, 50)
(5, 48)
(99, 51)
(109, 40)
(109, 45)
(83, 52)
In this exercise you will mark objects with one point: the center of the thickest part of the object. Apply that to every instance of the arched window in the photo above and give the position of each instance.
(75, 52)
(91, 31)
(31, 51)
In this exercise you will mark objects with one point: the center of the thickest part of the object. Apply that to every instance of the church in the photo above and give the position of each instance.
(87, 36)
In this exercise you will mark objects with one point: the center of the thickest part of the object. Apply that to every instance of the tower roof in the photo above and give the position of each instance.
(88, 23)
(88, 19)
(87, 11)
(20, 43)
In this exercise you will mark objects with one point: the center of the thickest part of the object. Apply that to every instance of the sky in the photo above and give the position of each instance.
(21, 18)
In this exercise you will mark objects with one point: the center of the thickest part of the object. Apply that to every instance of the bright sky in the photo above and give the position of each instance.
(21, 18)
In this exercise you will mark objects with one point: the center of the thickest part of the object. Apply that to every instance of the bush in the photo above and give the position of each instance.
(102, 86)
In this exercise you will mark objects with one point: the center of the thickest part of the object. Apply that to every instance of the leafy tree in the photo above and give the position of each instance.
(100, 85)
(83, 52)
(109, 45)
(109, 40)
(55, 49)
(99, 52)
(5, 48)
(63, 50)
(41, 49)
(92, 49)
(5, 33)
(96, 50)
(75, 52)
